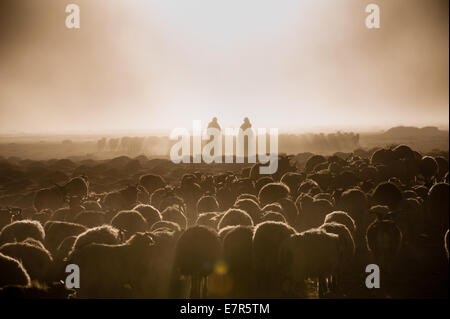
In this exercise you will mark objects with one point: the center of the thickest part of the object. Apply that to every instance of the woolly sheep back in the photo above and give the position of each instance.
(342, 218)
(101, 235)
(130, 221)
(387, 193)
(173, 214)
(56, 232)
(12, 272)
(234, 217)
(90, 218)
(346, 239)
(267, 239)
(237, 248)
(165, 224)
(150, 213)
(207, 204)
(21, 230)
(272, 192)
(37, 261)
(197, 251)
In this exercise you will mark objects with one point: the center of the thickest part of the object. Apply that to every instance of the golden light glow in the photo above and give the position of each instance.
(156, 65)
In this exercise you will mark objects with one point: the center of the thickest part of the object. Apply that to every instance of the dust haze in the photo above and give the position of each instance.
(300, 66)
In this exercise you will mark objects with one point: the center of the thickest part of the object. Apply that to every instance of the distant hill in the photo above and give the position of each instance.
(423, 139)
(411, 131)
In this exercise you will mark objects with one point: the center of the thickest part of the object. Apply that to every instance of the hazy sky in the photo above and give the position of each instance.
(159, 64)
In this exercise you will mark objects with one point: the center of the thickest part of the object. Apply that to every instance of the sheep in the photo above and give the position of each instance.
(346, 238)
(56, 232)
(272, 192)
(313, 212)
(384, 239)
(320, 167)
(150, 213)
(367, 173)
(77, 186)
(403, 152)
(235, 217)
(62, 214)
(130, 221)
(207, 204)
(170, 201)
(224, 231)
(437, 207)
(346, 252)
(380, 212)
(207, 219)
(289, 210)
(37, 261)
(410, 219)
(196, 254)
(327, 196)
(311, 254)
(254, 171)
(261, 182)
(345, 180)
(442, 166)
(64, 249)
(286, 163)
(273, 207)
(173, 214)
(313, 161)
(49, 198)
(354, 202)
(164, 224)
(383, 157)
(248, 196)
(267, 239)
(161, 281)
(114, 271)
(90, 218)
(342, 218)
(323, 178)
(159, 194)
(409, 194)
(428, 168)
(34, 242)
(243, 186)
(21, 230)
(308, 186)
(273, 216)
(238, 259)
(422, 191)
(292, 181)
(122, 199)
(100, 235)
(250, 206)
(190, 192)
(151, 182)
(12, 272)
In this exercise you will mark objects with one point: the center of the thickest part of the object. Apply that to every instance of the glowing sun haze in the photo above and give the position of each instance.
(156, 65)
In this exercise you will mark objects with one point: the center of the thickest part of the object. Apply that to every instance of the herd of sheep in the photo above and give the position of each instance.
(300, 233)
